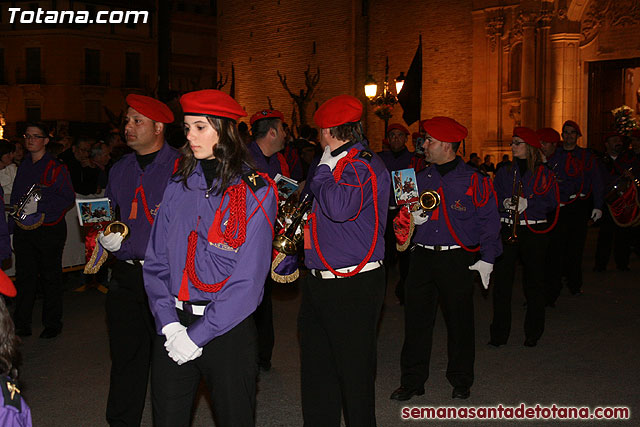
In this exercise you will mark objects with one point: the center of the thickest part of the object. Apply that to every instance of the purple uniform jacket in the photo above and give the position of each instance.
(393, 162)
(271, 166)
(57, 195)
(611, 170)
(538, 205)
(474, 225)
(124, 179)
(184, 210)
(578, 174)
(5, 242)
(13, 413)
(345, 214)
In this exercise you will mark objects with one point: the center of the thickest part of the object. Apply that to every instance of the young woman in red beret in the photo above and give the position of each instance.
(527, 193)
(205, 267)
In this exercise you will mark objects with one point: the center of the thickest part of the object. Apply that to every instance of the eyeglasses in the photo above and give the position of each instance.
(516, 143)
(27, 136)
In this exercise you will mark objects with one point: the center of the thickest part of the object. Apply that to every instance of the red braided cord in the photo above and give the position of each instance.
(237, 222)
(453, 233)
(143, 198)
(190, 266)
(274, 188)
(486, 191)
(342, 163)
(537, 190)
(629, 197)
(555, 219)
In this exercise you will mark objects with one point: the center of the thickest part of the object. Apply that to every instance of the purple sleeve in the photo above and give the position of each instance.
(5, 242)
(489, 224)
(247, 280)
(338, 200)
(157, 270)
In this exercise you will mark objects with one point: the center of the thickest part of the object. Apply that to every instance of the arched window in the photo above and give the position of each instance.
(515, 68)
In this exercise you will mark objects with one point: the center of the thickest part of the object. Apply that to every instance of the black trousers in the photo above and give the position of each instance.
(566, 247)
(338, 323)
(131, 334)
(531, 249)
(39, 262)
(613, 236)
(443, 276)
(228, 365)
(263, 317)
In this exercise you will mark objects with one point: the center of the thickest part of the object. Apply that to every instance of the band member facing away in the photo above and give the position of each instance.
(581, 202)
(205, 268)
(464, 222)
(343, 294)
(38, 240)
(135, 187)
(535, 199)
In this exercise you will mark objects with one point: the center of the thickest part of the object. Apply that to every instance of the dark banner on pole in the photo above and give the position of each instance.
(410, 97)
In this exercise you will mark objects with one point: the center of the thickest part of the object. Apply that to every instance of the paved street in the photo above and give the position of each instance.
(588, 356)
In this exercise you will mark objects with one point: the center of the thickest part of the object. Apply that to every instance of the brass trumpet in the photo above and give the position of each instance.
(429, 200)
(17, 211)
(287, 242)
(117, 227)
(515, 213)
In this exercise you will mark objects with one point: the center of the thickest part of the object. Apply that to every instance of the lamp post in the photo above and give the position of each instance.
(383, 103)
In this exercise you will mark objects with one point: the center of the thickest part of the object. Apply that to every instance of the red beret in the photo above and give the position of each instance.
(528, 135)
(6, 285)
(610, 134)
(573, 125)
(150, 107)
(398, 126)
(266, 114)
(338, 110)
(211, 102)
(445, 129)
(548, 135)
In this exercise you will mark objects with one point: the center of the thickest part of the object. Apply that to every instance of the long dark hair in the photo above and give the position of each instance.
(230, 151)
(534, 158)
(9, 356)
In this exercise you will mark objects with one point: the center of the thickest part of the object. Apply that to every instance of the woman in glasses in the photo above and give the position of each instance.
(526, 192)
(205, 266)
(39, 237)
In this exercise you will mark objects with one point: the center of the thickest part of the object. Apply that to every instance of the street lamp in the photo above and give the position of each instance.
(400, 82)
(383, 103)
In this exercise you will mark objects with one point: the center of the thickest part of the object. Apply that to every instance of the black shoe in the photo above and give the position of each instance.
(264, 366)
(530, 342)
(23, 332)
(461, 393)
(406, 393)
(495, 343)
(50, 333)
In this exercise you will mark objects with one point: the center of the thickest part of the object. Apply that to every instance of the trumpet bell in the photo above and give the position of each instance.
(285, 245)
(429, 200)
(117, 227)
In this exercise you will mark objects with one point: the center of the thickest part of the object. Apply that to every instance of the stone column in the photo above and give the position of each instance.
(528, 99)
(564, 78)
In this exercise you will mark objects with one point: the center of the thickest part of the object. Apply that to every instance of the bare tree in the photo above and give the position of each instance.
(302, 99)
(219, 84)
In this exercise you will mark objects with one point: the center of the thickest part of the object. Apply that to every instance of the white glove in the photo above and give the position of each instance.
(329, 160)
(181, 348)
(31, 207)
(111, 242)
(485, 269)
(170, 329)
(522, 204)
(418, 219)
(596, 214)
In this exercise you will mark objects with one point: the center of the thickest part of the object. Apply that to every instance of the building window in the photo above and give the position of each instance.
(515, 68)
(33, 65)
(33, 114)
(132, 69)
(91, 66)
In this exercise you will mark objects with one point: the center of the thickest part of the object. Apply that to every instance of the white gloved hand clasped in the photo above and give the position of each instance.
(485, 269)
(596, 214)
(418, 219)
(181, 348)
(522, 204)
(111, 242)
(329, 160)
